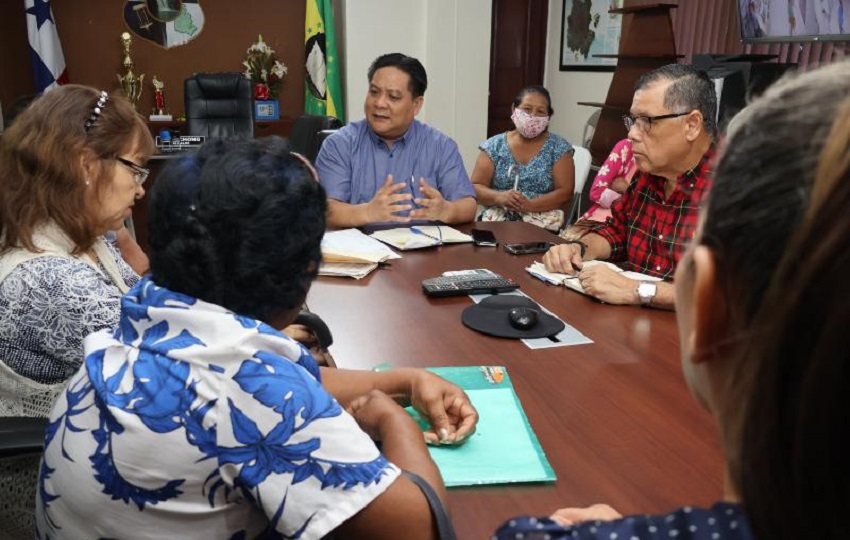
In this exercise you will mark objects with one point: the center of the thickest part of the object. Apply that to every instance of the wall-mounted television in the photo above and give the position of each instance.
(794, 20)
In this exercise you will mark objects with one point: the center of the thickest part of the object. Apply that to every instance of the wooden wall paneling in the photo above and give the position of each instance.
(15, 66)
(646, 42)
(90, 30)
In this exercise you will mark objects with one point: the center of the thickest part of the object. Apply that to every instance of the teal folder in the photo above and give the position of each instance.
(503, 449)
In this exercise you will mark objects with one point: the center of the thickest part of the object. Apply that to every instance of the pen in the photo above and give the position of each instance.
(516, 176)
(413, 191)
(414, 230)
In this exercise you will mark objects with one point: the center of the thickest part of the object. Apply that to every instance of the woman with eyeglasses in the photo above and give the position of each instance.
(527, 173)
(195, 418)
(71, 167)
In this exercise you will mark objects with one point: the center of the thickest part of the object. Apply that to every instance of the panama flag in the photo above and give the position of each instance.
(48, 62)
(323, 91)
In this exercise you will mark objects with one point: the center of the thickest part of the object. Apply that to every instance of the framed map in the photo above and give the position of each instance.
(587, 30)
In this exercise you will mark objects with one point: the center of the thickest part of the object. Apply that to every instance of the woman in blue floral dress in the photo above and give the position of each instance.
(196, 418)
(527, 173)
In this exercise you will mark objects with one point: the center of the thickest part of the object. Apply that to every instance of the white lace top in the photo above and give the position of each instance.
(48, 305)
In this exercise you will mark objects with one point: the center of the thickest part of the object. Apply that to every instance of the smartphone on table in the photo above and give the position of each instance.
(480, 237)
(528, 247)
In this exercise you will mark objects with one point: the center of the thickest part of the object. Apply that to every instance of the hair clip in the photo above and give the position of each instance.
(98, 108)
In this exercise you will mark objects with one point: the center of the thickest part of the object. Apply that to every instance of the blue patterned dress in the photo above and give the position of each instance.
(535, 177)
(532, 179)
(188, 421)
(48, 305)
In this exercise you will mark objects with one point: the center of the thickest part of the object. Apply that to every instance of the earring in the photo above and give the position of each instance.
(88, 182)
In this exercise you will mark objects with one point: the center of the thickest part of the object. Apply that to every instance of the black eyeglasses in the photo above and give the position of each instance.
(140, 174)
(644, 123)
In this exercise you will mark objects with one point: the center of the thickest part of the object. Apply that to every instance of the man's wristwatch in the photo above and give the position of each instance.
(646, 292)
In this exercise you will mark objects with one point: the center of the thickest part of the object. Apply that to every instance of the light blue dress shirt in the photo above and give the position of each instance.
(354, 163)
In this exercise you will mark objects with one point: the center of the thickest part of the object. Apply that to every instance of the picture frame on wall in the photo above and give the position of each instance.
(587, 31)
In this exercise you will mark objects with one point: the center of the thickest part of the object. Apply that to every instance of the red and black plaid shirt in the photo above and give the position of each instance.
(648, 233)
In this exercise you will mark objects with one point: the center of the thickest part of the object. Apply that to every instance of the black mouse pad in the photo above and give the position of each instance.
(491, 317)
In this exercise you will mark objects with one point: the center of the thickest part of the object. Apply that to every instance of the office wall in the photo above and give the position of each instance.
(89, 31)
(452, 40)
(569, 87)
(15, 67)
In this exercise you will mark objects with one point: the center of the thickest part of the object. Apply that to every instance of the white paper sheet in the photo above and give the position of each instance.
(351, 245)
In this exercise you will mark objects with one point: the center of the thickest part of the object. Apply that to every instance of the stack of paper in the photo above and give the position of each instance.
(421, 236)
(538, 270)
(350, 253)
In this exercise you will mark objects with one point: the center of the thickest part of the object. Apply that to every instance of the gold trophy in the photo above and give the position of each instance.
(130, 82)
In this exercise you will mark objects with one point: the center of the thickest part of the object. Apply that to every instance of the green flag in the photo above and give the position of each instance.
(322, 89)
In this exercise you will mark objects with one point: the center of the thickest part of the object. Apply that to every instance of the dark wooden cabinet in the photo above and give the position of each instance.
(646, 43)
(281, 128)
(262, 128)
(173, 126)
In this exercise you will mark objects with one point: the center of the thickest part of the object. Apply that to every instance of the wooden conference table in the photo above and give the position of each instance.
(615, 417)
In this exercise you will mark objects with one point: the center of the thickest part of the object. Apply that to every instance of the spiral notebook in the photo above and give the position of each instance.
(504, 448)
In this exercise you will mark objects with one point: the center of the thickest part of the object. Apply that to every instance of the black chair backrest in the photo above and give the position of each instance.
(304, 133)
(321, 136)
(219, 105)
(19, 435)
(21, 442)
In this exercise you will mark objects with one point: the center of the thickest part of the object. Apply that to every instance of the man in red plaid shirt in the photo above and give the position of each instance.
(671, 125)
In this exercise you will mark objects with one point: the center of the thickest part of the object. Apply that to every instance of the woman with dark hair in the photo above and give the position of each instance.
(71, 167)
(761, 302)
(527, 173)
(259, 441)
(792, 473)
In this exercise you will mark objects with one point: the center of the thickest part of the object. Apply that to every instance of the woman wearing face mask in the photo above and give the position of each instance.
(527, 173)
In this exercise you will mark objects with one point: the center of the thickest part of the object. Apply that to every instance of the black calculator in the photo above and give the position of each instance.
(466, 282)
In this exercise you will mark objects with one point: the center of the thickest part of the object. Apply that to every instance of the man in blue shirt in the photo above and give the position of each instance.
(391, 167)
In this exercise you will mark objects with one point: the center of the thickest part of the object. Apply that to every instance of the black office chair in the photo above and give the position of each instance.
(21, 445)
(219, 105)
(321, 136)
(305, 131)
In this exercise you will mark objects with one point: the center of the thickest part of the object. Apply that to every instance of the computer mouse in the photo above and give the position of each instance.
(523, 318)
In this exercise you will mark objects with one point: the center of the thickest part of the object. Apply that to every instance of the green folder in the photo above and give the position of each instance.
(503, 449)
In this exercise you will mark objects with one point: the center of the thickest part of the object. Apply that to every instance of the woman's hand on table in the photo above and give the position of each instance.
(446, 407)
(574, 516)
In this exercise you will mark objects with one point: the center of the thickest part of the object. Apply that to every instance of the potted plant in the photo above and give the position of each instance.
(267, 74)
